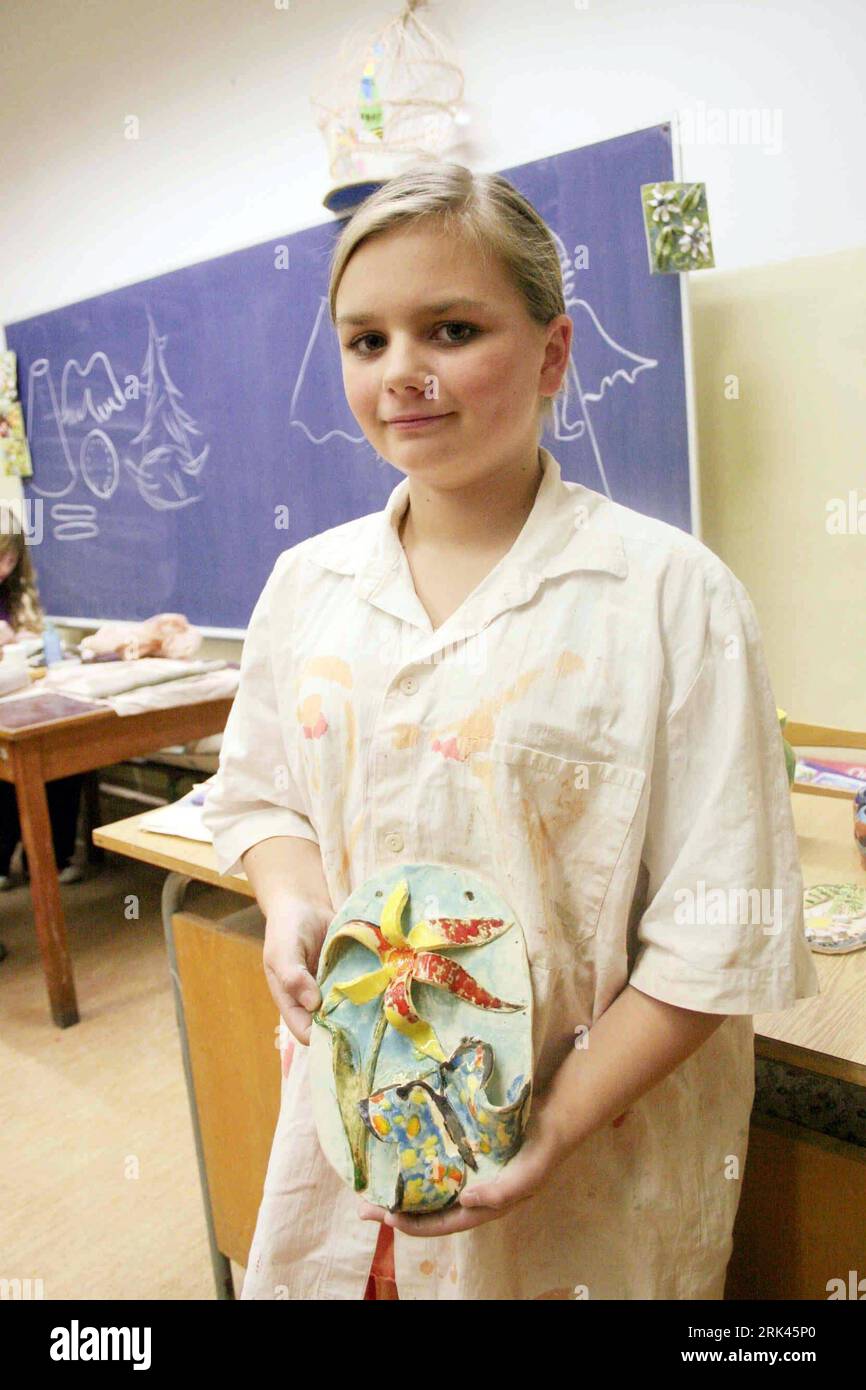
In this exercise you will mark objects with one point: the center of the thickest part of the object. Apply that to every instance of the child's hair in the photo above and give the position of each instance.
(20, 589)
(483, 207)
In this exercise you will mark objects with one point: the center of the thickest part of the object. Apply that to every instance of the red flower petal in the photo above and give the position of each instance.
(442, 932)
(432, 969)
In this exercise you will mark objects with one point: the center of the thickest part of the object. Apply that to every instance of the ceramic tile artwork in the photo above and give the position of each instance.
(14, 452)
(835, 917)
(677, 227)
(421, 1051)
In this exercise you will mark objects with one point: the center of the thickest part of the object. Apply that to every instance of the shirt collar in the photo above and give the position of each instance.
(569, 528)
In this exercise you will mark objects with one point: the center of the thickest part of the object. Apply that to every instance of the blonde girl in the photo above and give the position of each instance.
(506, 672)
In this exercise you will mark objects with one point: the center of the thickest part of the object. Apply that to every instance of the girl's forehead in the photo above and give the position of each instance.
(408, 283)
(445, 257)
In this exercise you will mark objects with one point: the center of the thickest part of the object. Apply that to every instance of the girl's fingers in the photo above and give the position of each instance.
(446, 1223)
(298, 1022)
(297, 1018)
(494, 1199)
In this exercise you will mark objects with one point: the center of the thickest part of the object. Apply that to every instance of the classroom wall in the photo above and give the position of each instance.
(228, 155)
(779, 362)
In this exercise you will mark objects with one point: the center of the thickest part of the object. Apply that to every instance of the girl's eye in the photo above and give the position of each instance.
(472, 330)
(356, 342)
(469, 328)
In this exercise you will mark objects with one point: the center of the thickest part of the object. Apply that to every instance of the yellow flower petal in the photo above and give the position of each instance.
(360, 990)
(392, 914)
(365, 932)
(420, 1034)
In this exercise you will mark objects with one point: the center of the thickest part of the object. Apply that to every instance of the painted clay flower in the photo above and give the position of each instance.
(404, 959)
(694, 240)
(664, 203)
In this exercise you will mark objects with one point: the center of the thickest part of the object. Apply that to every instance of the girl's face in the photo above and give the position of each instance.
(427, 329)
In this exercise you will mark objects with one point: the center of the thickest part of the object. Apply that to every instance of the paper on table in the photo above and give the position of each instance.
(183, 817)
(183, 820)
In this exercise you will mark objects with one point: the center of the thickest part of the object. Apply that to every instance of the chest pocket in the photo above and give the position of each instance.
(555, 829)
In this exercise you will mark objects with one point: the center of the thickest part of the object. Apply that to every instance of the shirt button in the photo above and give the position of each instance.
(394, 841)
(408, 685)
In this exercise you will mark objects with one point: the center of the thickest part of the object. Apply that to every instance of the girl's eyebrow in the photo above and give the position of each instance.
(422, 312)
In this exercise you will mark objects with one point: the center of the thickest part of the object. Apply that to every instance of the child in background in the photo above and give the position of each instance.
(21, 617)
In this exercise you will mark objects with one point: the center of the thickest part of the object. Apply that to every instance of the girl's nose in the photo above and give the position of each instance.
(405, 366)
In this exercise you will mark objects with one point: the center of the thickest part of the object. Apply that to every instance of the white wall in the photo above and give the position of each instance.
(229, 154)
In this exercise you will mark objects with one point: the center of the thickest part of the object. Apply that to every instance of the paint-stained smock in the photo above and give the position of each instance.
(593, 730)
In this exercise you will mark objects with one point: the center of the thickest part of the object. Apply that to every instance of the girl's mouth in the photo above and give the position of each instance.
(420, 422)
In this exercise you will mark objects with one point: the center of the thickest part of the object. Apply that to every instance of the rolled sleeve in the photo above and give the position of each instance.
(723, 928)
(253, 795)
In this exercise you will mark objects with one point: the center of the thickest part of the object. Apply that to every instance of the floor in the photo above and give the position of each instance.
(98, 1173)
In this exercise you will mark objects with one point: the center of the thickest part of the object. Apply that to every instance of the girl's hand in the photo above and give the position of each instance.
(294, 933)
(6, 634)
(542, 1150)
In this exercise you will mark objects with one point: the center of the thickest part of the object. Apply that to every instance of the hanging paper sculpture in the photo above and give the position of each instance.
(421, 1063)
(677, 227)
(14, 453)
(386, 101)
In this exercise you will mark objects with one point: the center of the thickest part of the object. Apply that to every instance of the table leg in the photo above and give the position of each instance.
(173, 892)
(44, 886)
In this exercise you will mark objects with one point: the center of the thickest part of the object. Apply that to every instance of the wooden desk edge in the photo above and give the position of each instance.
(104, 712)
(13, 735)
(166, 857)
(806, 1059)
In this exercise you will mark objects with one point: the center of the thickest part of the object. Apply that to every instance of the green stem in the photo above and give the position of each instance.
(375, 1045)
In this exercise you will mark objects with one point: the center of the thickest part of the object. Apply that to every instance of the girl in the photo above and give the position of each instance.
(509, 673)
(21, 617)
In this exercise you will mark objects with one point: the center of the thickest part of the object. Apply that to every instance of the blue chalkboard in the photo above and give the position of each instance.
(175, 422)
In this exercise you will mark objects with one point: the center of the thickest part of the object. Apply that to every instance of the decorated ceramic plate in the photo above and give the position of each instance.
(835, 917)
(421, 1050)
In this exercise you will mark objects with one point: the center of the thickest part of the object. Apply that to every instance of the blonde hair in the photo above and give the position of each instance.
(20, 589)
(486, 209)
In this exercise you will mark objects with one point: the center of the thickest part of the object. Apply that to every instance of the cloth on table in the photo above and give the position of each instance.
(115, 678)
(191, 690)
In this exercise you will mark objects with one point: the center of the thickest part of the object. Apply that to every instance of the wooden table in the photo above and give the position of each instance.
(186, 860)
(824, 1035)
(801, 1220)
(827, 1033)
(59, 747)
